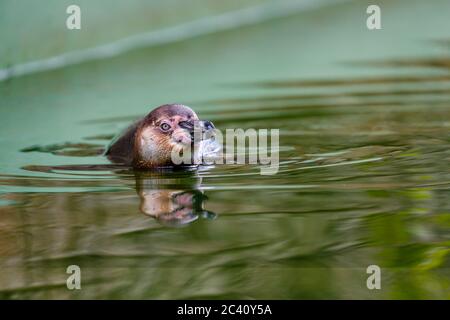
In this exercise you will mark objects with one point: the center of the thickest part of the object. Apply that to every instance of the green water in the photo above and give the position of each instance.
(363, 179)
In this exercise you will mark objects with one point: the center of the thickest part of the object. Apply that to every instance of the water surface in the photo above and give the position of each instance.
(363, 179)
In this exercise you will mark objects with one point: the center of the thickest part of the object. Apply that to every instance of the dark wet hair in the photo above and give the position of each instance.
(170, 110)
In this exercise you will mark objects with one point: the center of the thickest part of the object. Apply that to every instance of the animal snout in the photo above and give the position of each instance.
(208, 125)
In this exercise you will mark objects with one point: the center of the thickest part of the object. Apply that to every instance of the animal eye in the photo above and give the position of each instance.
(165, 126)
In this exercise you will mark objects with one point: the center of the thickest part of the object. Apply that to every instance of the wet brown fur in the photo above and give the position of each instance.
(126, 149)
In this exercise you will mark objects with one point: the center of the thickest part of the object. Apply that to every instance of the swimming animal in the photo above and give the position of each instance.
(150, 141)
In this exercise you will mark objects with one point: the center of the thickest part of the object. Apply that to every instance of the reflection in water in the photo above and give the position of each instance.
(171, 206)
(442, 63)
(171, 196)
(350, 81)
(68, 149)
(363, 180)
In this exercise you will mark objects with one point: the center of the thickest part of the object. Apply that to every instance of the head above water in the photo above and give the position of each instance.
(149, 143)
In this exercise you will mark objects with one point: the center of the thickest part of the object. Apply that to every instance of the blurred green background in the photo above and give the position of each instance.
(364, 122)
(32, 30)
